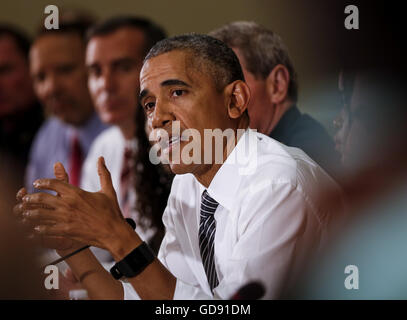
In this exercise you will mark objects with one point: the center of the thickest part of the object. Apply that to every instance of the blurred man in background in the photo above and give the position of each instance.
(20, 112)
(366, 258)
(57, 62)
(272, 80)
(114, 56)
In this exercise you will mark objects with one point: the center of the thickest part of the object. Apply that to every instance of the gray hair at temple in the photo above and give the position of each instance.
(207, 55)
(261, 48)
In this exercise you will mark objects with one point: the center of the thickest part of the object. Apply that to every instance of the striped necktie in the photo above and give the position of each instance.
(207, 228)
(75, 161)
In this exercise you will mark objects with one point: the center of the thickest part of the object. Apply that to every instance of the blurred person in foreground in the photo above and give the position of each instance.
(57, 64)
(253, 216)
(366, 258)
(273, 82)
(115, 51)
(20, 113)
(21, 276)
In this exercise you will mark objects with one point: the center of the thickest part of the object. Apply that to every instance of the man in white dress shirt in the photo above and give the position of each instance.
(254, 215)
(115, 52)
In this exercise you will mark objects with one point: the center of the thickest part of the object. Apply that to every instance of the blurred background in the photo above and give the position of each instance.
(310, 29)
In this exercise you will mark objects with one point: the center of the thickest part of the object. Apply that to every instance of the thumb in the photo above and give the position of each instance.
(60, 173)
(105, 178)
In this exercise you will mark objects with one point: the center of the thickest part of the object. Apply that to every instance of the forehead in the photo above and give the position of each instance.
(126, 42)
(54, 48)
(176, 64)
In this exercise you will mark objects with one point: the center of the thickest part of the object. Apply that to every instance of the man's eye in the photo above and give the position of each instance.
(39, 77)
(125, 67)
(178, 93)
(94, 71)
(149, 106)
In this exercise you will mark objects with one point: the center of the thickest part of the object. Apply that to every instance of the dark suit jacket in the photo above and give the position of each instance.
(301, 131)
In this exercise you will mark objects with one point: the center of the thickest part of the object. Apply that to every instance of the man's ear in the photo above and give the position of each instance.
(277, 84)
(238, 96)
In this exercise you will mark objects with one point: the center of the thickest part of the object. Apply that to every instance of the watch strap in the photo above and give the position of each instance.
(134, 263)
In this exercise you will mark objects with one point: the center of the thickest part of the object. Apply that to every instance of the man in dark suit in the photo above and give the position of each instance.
(272, 80)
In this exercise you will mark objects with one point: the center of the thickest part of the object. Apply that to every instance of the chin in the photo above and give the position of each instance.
(111, 118)
(181, 168)
(178, 169)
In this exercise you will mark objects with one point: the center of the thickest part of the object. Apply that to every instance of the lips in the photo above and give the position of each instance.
(168, 144)
(57, 105)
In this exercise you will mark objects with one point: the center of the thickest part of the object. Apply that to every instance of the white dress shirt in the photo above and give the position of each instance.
(269, 220)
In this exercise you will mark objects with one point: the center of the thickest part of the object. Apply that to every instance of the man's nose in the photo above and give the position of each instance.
(162, 116)
(107, 81)
(50, 86)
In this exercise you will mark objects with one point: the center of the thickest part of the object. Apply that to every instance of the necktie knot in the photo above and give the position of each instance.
(208, 204)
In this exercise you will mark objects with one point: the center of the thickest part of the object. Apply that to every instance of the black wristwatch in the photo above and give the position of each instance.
(134, 263)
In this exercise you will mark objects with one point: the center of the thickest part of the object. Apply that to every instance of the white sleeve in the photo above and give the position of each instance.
(277, 229)
(182, 291)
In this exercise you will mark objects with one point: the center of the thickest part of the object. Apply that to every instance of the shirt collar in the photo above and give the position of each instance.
(88, 131)
(225, 185)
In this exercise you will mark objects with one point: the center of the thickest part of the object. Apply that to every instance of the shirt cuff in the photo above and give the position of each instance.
(128, 292)
(184, 291)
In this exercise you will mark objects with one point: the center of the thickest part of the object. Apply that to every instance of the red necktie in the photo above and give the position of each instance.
(125, 181)
(75, 162)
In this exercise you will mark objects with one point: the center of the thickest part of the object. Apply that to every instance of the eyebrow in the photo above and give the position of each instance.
(123, 60)
(166, 83)
(174, 82)
(113, 62)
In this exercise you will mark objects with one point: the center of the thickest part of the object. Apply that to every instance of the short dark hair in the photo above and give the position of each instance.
(153, 32)
(220, 61)
(261, 48)
(72, 27)
(21, 40)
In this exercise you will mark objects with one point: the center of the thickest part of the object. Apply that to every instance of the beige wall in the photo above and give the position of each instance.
(305, 26)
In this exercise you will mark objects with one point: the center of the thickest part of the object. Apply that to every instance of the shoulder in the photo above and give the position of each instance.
(109, 135)
(51, 125)
(307, 129)
(277, 166)
(276, 161)
(51, 130)
(109, 141)
(312, 137)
